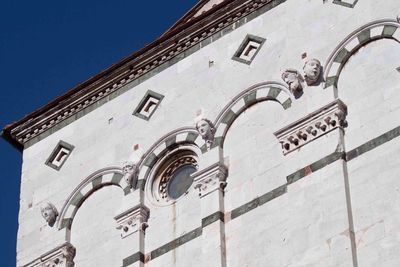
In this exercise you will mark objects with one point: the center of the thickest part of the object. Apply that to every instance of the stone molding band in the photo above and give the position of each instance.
(67, 251)
(273, 194)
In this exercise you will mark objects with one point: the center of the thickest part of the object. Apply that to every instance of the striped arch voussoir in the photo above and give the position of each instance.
(107, 176)
(187, 135)
(373, 31)
(272, 91)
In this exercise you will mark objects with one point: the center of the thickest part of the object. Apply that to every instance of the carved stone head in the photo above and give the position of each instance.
(294, 79)
(206, 129)
(312, 71)
(49, 213)
(129, 171)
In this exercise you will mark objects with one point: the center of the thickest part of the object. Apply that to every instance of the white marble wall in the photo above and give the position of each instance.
(307, 226)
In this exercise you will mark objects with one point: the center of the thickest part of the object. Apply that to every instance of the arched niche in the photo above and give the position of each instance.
(361, 71)
(104, 177)
(94, 233)
(376, 30)
(253, 154)
(369, 84)
(266, 91)
(244, 132)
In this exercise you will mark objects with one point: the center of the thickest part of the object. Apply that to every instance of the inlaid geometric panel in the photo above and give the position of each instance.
(346, 3)
(148, 105)
(59, 155)
(249, 48)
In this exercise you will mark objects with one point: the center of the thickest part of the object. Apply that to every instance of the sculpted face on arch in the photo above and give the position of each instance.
(205, 129)
(312, 71)
(294, 80)
(129, 170)
(49, 213)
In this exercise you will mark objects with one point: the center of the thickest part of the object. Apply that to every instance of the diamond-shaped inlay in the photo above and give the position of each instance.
(148, 105)
(59, 155)
(249, 48)
(346, 3)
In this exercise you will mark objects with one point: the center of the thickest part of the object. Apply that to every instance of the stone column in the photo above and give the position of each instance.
(211, 182)
(132, 222)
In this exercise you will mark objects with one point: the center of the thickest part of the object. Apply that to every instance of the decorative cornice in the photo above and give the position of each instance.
(62, 256)
(133, 220)
(210, 179)
(313, 126)
(131, 68)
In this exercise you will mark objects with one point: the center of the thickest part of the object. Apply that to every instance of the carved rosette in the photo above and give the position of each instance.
(210, 179)
(311, 127)
(62, 256)
(133, 220)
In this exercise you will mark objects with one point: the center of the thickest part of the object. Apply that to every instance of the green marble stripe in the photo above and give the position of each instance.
(319, 164)
(342, 56)
(277, 192)
(331, 81)
(374, 143)
(217, 216)
(138, 256)
(116, 179)
(97, 182)
(66, 223)
(191, 137)
(245, 208)
(77, 199)
(176, 243)
(250, 99)
(127, 190)
(389, 30)
(287, 104)
(364, 36)
(229, 117)
(151, 160)
(170, 141)
(140, 184)
(273, 92)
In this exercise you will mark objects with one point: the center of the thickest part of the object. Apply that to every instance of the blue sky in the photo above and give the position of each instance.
(48, 47)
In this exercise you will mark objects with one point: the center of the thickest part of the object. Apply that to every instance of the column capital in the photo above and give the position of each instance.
(61, 256)
(210, 179)
(133, 220)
